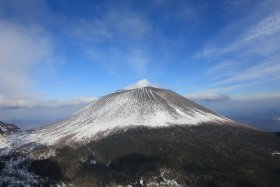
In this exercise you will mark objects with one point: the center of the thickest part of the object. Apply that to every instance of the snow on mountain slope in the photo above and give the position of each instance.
(148, 106)
(5, 131)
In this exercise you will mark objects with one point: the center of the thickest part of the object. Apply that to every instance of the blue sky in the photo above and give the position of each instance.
(58, 55)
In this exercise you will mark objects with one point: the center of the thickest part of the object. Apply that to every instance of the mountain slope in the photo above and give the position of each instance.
(194, 156)
(151, 107)
(142, 137)
(6, 130)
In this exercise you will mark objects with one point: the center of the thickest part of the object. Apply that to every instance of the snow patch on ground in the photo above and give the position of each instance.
(275, 153)
(15, 173)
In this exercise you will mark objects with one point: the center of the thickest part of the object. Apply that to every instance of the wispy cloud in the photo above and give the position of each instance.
(260, 39)
(116, 60)
(239, 86)
(252, 56)
(111, 26)
(264, 71)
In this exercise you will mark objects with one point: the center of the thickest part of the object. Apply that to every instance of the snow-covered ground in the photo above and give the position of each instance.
(15, 173)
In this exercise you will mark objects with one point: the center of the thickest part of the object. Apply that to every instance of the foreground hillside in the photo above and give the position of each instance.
(205, 155)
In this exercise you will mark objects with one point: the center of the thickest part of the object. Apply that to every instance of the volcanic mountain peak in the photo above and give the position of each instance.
(148, 106)
(122, 154)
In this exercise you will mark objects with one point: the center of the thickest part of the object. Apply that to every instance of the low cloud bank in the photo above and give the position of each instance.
(207, 97)
(16, 103)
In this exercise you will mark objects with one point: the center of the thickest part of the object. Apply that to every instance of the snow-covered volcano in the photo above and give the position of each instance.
(148, 106)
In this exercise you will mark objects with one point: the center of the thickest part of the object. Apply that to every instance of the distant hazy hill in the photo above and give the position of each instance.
(267, 120)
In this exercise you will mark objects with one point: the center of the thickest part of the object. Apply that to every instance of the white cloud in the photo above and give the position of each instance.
(27, 102)
(207, 97)
(21, 50)
(140, 84)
